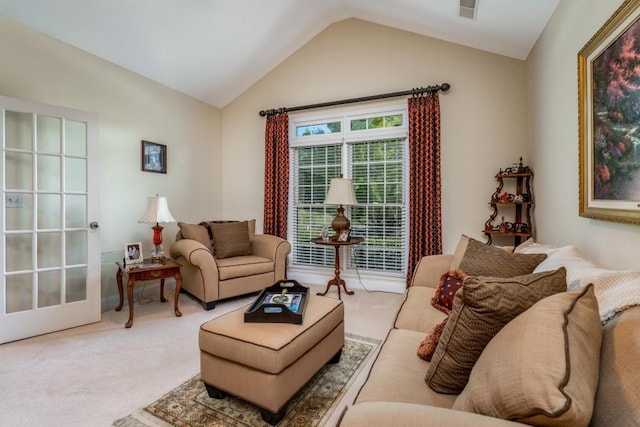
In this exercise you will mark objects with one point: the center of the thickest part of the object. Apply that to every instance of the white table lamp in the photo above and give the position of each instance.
(340, 193)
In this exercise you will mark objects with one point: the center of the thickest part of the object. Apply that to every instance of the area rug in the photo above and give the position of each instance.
(190, 405)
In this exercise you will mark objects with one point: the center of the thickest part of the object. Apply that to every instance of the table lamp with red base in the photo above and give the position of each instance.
(157, 212)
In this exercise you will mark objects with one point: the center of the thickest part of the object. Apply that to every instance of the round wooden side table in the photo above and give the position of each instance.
(337, 281)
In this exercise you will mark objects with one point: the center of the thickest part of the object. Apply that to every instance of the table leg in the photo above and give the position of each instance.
(178, 277)
(162, 298)
(130, 284)
(119, 281)
(337, 281)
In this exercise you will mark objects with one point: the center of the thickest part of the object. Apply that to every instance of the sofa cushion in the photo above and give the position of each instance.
(231, 239)
(541, 368)
(416, 312)
(480, 259)
(396, 375)
(480, 309)
(617, 401)
(195, 232)
(242, 266)
(448, 285)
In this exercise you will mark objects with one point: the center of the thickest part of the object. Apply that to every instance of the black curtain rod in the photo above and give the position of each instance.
(418, 91)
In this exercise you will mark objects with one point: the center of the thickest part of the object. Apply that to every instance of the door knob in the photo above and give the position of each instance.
(94, 225)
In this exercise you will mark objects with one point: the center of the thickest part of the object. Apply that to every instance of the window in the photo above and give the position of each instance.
(370, 148)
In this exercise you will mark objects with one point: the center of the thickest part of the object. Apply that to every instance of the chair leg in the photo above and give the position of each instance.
(209, 305)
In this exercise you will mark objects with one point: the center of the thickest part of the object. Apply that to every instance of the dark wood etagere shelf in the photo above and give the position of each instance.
(518, 204)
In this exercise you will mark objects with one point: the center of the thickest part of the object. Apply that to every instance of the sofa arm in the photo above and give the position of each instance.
(196, 254)
(429, 270)
(399, 414)
(191, 250)
(274, 248)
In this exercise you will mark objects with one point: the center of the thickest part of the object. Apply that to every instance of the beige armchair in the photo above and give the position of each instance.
(212, 272)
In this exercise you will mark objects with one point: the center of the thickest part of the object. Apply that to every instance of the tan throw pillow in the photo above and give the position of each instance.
(231, 239)
(252, 229)
(543, 367)
(480, 309)
(458, 253)
(195, 232)
(481, 259)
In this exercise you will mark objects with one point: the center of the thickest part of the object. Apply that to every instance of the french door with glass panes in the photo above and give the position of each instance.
(50, 251)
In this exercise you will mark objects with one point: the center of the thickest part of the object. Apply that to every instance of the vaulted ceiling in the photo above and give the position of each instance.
(214, 50)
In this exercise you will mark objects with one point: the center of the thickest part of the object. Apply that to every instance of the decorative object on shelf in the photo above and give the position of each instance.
(133, 253)
(503, 226)
(340, 193)
(520, 201)
(157, 212)
(154, 157)
(608, 119)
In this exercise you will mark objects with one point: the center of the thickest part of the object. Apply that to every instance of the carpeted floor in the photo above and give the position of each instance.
(95, 374)
(190, 405)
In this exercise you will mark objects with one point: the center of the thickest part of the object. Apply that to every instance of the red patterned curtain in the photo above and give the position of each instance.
(425, 218)
(276, 175)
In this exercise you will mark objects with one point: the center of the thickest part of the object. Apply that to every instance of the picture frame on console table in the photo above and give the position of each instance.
(609, 138)
(133, 253)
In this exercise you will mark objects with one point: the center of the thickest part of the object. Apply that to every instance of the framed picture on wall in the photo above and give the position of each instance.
(133, 253)
(154, 157)
(608, 115)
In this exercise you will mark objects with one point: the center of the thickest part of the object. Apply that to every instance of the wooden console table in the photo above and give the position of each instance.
(148, 271)
(337, 281)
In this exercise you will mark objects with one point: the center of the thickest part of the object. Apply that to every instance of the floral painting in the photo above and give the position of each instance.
(609, 119)
(616, 118)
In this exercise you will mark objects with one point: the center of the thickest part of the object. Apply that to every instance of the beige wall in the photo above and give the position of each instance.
(131, 108)
(484, 123)
(552, 90)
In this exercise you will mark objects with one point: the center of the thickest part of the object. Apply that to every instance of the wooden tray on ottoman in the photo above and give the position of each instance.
(283, 302)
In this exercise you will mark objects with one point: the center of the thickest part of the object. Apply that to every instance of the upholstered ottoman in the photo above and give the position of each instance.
(267, 363)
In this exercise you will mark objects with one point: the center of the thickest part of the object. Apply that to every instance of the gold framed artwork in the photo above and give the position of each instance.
(609, 117)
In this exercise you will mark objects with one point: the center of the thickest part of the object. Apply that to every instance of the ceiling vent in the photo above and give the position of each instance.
(468, 8)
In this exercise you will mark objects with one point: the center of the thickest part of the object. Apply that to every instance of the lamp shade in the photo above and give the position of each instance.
(157, 211)
(341, 192)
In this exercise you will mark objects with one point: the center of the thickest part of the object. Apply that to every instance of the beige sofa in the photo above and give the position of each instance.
(396, 393)
(210, 277)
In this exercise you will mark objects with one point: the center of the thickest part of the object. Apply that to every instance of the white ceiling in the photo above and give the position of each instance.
(214, 50)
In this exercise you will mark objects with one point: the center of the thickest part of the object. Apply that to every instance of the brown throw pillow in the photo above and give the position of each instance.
(543, 367)
(195, 232)
(480, 309)
(429, 343)
(480, 259)
(448, 285)
(231, 239)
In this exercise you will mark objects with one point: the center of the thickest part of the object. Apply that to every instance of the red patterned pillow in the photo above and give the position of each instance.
(430, 342)
(449, 284)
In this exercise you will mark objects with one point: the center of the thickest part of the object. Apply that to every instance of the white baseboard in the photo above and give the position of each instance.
(110, 302)
(320, 276)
